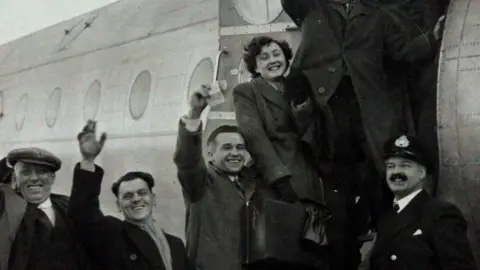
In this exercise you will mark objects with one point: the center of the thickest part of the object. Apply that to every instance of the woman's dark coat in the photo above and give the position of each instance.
(267, 123)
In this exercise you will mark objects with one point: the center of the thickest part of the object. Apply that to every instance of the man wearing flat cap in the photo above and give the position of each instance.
(35, 233)
(419, 232)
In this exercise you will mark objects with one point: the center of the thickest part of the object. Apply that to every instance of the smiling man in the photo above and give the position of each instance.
(419, 232)
(134, 243)
(215, 191)
(35, 232)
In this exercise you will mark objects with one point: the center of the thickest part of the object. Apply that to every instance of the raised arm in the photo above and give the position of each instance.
(191, 168)
(95, 231)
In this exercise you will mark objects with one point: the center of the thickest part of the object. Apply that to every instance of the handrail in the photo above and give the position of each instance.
(217, 64)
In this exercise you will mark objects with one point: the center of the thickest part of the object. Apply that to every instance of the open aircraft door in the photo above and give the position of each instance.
(240, 21)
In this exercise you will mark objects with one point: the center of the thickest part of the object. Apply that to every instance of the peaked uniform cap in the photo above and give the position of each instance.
(408, 147)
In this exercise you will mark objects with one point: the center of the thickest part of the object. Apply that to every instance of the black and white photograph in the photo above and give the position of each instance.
(240, 135)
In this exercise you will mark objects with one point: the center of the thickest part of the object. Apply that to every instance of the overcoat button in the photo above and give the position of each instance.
(393, 257)
(133, 257)
(321, 90)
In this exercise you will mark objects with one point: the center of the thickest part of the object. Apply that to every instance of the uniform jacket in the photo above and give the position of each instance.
(268, 125)
(214, 206)
(426, 234)
(12, 210)
(335, 43)
(115, 244)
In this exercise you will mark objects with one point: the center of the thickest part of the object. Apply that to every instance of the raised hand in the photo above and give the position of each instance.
(198, 101)
(89, 146)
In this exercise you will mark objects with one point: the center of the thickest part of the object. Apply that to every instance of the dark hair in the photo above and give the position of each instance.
(222, 129)
(253, 49)
(132, 176)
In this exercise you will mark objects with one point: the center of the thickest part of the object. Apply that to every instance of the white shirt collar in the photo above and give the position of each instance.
(45, 204)
(403, 202)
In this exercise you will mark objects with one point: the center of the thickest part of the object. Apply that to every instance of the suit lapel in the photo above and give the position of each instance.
(145, 244)
(270, 93)
(175, 252)
(224, 177)
(26, 241)
(393, 223)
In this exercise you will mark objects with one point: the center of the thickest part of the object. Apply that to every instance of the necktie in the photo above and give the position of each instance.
(238, 184)
(396, 207)
(43, 225)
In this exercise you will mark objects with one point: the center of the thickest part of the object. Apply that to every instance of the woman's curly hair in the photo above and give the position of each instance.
(253, 49)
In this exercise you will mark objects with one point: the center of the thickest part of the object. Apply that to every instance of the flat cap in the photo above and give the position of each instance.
(5, 171)
(33, 155)
(408, 147)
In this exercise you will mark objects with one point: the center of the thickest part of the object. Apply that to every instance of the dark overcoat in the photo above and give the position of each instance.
(335, 43)
(268, 125)
(113, 243)
(214, 206)
(427, 234)
(12, 214)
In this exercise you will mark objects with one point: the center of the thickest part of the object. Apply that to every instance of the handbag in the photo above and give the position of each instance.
(272, 231)
(314, 231)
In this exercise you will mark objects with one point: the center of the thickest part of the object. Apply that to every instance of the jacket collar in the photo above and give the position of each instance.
(145, 244)
(246, 177)
(270, 93)
(393, 223)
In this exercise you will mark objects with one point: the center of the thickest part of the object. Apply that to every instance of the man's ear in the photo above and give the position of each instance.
(423, 171)
(118, 205)
(13, 182)
(154, 199)
(52, 178)
(210, 151)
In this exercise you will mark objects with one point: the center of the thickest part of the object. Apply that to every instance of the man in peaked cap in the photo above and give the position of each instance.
(419, 232)
(35, 233)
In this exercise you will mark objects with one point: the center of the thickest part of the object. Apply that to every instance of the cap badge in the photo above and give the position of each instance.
(402, 142)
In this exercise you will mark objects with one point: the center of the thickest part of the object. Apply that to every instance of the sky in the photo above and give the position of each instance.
(19, 18)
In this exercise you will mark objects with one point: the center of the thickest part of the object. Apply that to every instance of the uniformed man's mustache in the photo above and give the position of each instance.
(400, 176)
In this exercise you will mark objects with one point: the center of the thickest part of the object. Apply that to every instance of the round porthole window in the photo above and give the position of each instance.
(140, 94)
(21, 112)
(243, 74)
(53, 105)
(202, 74)
(259, 11)
(91, 102)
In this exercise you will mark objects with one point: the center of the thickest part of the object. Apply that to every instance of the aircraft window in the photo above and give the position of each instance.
(259, 11)
(53, 105)
(140, 94)
(243, 74)
(202, 74)
(21, 112)
(91, 102)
